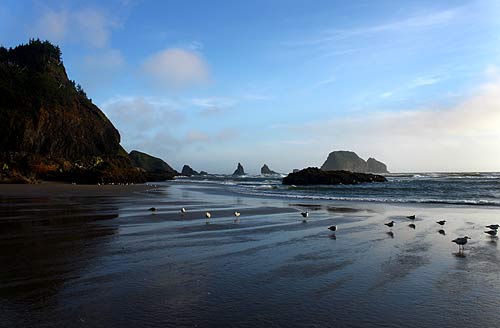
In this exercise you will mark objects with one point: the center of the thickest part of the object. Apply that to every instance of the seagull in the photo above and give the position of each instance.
(411, 225)
(460, 242)
(492, 233)
(208, 215)
(390, 224)
(493, 226)
(442, 222)
(411, 217)
(333, 228)
(183, 211)
(152, 209)
(237, 215)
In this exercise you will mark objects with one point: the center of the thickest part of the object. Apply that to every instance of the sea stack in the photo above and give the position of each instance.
(265, 170)
(350, 161)
(239, 170)
(188, 171)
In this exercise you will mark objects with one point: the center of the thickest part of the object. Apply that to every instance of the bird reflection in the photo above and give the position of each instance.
(390, 233)
(460, 254)
(333, 236)
(442, 232)
(411, 225)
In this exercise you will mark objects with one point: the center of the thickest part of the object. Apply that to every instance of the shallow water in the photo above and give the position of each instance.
(105, 261)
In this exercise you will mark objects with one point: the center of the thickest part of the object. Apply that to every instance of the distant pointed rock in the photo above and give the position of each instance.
(239, 170)
(203, 173)
(265, 170)
(188, 171)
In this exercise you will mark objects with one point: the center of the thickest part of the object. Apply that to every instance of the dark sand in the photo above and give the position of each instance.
(93, 256)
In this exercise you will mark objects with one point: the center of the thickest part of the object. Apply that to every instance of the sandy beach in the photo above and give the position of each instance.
(94, 256)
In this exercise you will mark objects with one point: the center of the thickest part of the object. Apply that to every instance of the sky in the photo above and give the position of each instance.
(415, 84)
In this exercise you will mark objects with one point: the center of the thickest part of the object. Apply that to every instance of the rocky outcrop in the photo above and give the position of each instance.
(155, 169)
(239, 170)
(188, 171)
(374, 166)
(315, 176)
(265, 170)
(350, 161)
(49, 129)
(203, 173)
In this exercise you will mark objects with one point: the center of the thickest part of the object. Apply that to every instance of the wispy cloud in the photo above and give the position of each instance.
(176, 68)
(446, 138)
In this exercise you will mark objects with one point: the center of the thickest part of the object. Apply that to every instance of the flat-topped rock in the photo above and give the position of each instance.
(316, 176)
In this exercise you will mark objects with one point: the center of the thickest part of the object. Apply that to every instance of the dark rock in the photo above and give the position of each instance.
(188, 171)
(239, 170)
(203, 173)
(49, 129)
(350, 161)
(295, 170)
(374, 166)
(265, 170)
(315, 176)
(155, 169)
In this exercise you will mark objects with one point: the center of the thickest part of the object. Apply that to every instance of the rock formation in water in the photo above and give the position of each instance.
(350, 161)
(155, 169)
(49, 128)
(203, 173)
(239, 170)
(188, 171)
(265, 170)
(374, 166)
(315, 176)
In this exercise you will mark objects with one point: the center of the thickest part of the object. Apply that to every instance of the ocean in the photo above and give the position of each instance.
(470, 188)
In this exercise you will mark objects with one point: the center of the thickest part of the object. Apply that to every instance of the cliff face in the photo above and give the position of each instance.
(350, 161)
(49, 129)
(155, 169)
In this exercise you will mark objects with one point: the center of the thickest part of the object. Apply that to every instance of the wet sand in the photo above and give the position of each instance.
(93, 256)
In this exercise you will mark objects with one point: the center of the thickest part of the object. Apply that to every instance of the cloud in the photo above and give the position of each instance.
(91, 27)
(464, 136)
(176, 68)
(109, 59)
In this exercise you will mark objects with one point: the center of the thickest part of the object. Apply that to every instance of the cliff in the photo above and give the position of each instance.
(49, 129)
(155, 169)
(350, 161)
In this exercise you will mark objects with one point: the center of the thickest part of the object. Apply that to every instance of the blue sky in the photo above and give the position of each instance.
(212, 83)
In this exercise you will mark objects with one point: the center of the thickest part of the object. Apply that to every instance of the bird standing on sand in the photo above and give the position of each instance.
(460, 242)
(411, 217)
(208, 215)
(493, 226)
(332, 228)
(237, 215)
(183, 211)
(442, 222)
(305, 215)
(492, 233)
(390, 224)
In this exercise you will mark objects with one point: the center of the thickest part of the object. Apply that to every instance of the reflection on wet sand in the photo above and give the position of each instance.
(106, 261)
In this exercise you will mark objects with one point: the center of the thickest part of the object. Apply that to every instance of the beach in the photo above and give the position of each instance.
(94, 256)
